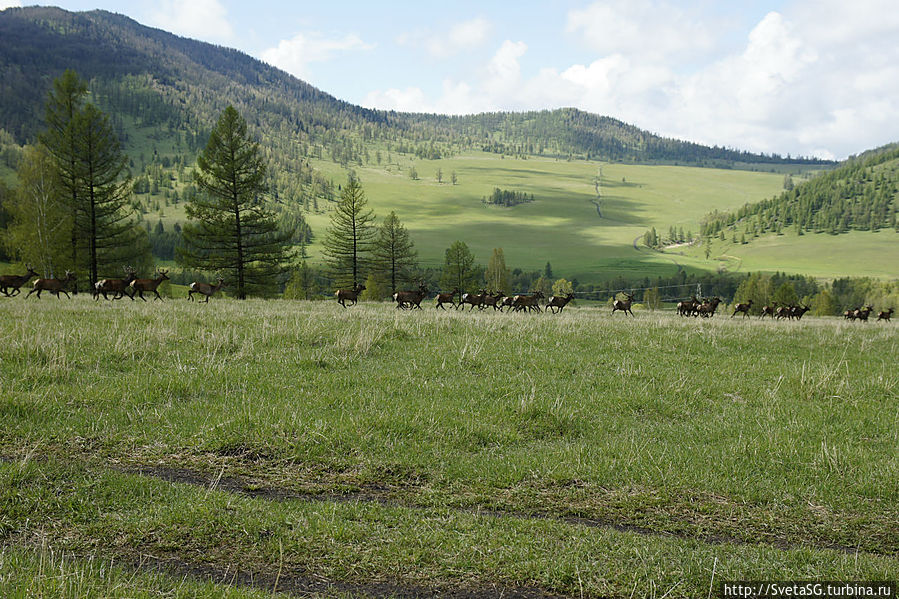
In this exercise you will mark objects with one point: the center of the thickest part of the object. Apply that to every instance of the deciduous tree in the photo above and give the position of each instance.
(393, 252)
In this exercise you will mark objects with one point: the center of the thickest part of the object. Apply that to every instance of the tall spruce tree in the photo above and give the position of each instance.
(64, 102)
(231, 231)
(393, 255)
(104, 221)
(348, 241)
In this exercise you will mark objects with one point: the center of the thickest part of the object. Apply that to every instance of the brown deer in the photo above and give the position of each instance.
(447, 298)
(624, 305)
(410, 299)
(799, 311)
(708, 307)
(743, 307)
(768, 310)
(559, 302)
(473, 299)
(863, 313)
(204, 289)
(10, 284)
(138, 286)
(351, 295)
(885, 315)
(493, 300)
(54, 286)
(529, 302)
(687, 307)
(506, 302)
(118, 287)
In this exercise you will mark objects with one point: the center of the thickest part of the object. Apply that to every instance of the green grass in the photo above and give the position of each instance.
(858, 253)
(562, 225)
(777, 438)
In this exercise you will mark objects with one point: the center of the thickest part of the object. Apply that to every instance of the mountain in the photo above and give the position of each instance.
(161, 78)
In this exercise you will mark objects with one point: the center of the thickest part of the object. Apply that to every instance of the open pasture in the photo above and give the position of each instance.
(372, 451)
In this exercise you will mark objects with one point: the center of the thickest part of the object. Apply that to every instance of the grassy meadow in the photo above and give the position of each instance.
(300, 447)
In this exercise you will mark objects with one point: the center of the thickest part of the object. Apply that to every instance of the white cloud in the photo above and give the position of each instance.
(201, 19)
(294, 55)
(461, 37)
(644, 28)
(4, 4)
(818, 78)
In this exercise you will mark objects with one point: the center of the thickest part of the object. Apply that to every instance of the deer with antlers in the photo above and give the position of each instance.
(138, 286)
(54, 286)
(10, 284)
(204, 289)
(118, 287)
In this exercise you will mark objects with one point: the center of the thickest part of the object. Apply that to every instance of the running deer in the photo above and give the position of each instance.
(531, 302)
(412, 298)
(118, 287)
(204, 289)
(744, 308)
(559, 302)
(885, 315)
(9, 284)
(351, 295)
(54, 286)
(447, 298)
(140, 285)
(624, 305)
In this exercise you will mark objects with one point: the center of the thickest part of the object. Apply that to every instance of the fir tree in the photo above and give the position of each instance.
(393, 254)
(232, 231)
(348, 241)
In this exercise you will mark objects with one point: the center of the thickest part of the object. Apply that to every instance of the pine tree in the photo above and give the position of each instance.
(393, 255)
(348, 241)
(104, 222)
(231, 230)
(64, 103)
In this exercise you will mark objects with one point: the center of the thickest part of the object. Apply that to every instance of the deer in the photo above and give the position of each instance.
(412, 298)
(54, 286)
(624, 305)
(708, 307)
(204, 289)
(531, 302)
(473, 299)
(743, 307)
(688, 307)
(446, 298)
(138, 286)
(10, 284)
(885, 315)
(863, 313)
(119, 287)
(559, 302)
(493, 300)
(768, 310)
(506, 302)
(352, 295)
(799, 311)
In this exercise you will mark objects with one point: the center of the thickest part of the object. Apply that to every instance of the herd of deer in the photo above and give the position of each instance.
(483, 299)
(862, 314)
(130, 286)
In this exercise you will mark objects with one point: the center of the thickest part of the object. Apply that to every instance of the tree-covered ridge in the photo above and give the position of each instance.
(184, 84)
(862, 194)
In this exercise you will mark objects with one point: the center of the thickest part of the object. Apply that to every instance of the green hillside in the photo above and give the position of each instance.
(164, 92)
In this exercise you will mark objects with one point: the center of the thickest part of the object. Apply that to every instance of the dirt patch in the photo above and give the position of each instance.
(382, 496)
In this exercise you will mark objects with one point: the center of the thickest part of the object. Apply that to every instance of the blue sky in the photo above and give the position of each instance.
(804, 77)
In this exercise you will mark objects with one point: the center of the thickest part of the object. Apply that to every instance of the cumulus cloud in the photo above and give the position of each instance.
(818, 78)
(461, 37)
(642, 28)
(294, 55)
(201, 19)
(4, 4)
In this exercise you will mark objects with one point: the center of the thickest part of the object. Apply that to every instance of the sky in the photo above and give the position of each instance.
(799, 77)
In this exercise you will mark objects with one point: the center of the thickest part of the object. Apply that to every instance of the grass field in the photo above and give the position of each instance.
(295, 446)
